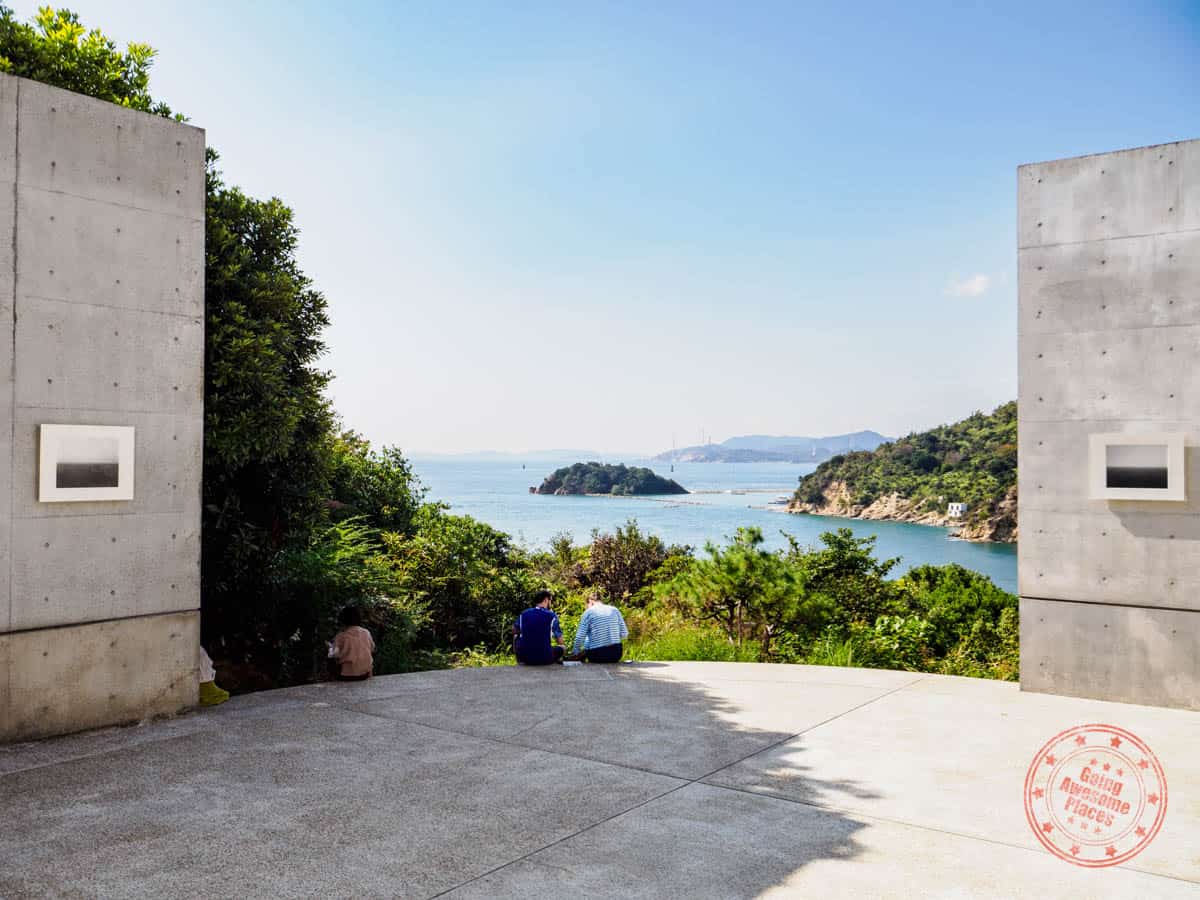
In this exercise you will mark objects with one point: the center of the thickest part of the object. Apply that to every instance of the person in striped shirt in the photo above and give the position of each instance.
(600, 633)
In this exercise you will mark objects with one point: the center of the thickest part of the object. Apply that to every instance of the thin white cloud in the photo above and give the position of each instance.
(975, 286)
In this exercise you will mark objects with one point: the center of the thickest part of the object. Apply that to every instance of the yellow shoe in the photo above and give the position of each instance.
(211, 695)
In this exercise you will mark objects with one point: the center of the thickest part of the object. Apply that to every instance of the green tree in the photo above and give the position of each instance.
(748, 591)
(469, 578)
(267, 425)
(272, 464)
(958, 604)
(377, 486)
(57, 50)
(619, 563)
(844, 569)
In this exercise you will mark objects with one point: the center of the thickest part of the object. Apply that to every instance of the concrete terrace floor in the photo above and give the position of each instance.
(719, 780)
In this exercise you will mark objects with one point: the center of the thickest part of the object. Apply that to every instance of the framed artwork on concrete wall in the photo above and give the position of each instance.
(78, 463)
(1136, 467)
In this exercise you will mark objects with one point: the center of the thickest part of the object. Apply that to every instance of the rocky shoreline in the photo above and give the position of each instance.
(1000, 527)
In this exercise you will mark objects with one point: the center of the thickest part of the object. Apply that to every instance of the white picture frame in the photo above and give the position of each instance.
(82, 463)
(1137, 467)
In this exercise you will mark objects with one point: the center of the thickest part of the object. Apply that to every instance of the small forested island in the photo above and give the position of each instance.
(916, 478)
(601, 478)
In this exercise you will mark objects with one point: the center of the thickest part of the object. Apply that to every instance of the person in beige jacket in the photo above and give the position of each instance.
(353, 647)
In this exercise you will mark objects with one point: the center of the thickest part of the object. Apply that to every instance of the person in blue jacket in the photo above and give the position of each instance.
(537, 635)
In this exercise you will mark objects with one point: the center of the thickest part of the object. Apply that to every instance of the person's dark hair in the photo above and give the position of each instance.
(540, 596)
(350, 615)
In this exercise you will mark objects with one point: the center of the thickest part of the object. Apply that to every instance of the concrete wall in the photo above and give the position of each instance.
(101, 323)
(1109, 341)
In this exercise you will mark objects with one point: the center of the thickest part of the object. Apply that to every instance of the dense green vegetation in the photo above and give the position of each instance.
(602, 478)
(301, 517)
(832, 604)
(972, 461)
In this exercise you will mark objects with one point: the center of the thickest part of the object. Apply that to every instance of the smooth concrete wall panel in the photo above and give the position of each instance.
(7, 269)
(137, 361)
(69, 679)
(77, 145)
(102, 311)
(1142, 374)
(1140, 559)
(1151, 190)
(1139, 282)
(138, 259)
(167, 465)
(1053, 474)
(134, 565)
(6, 493)
(1109, 332)
(1128, 654)
(7, 723)
(9, 87)
(7, 223)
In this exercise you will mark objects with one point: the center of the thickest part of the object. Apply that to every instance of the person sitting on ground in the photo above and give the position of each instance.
(353, 647)
(537, 636)
(601, 631)
(210, 693)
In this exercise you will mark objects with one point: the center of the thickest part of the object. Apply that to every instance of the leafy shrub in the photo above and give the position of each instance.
(394, 623)
(378, 487)
(843, 568)
(481, 656)
(953, 599)
(620, 563)
(338, 565)
(467, 576)
(900, 642)
(751, 593)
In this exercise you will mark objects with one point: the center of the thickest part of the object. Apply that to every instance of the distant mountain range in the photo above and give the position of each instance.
(772, 448)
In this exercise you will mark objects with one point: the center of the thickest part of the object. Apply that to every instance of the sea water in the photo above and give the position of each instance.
(723, 498)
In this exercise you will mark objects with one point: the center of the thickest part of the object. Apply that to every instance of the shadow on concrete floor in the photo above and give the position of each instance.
(485, 782)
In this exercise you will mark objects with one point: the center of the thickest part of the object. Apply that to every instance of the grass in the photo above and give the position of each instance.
(830, 650)
(480, 657)
(649, 640)
(690, 642)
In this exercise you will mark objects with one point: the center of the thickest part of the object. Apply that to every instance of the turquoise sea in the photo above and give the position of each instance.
(724, 497)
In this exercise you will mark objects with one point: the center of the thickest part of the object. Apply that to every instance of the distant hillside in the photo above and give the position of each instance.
(914, 478)
(772, 448)
(601, 478)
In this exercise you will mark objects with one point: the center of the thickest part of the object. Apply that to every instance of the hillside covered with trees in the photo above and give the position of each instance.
(603, 478)
(915, 478)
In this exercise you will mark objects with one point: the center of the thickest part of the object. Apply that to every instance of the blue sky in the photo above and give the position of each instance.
(610, 226)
